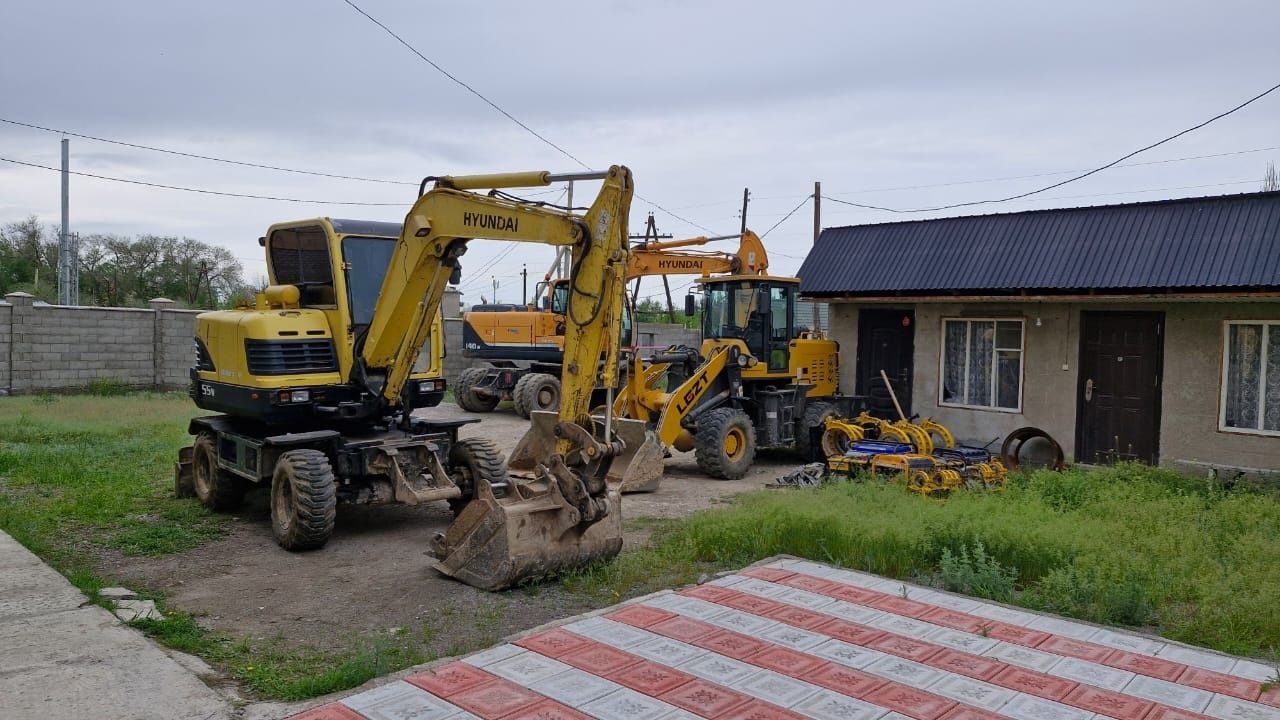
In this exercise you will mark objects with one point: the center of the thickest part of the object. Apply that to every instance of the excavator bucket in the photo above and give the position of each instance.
(532, 531)
(638, 468)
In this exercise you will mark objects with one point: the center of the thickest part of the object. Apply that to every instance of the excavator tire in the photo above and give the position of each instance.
(517, 396)
(814, 415)
(304, 500)
(467, 398)
(215, 488)
(472, 458)
(725, 443)
(537, 391)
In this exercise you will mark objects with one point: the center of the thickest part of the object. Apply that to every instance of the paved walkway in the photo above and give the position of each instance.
(63, 658)
(795, 639)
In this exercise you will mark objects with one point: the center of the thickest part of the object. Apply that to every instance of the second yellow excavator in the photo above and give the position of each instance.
(522, 345)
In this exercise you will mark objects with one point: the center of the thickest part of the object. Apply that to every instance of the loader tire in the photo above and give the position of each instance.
(725, 443)
(215, 488)
(814, 415)
(304, 500)
(465, 392)
(472, 458)
(537, 391)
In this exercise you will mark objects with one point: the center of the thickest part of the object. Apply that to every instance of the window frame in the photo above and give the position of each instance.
(1022, 360)
(1267, 326)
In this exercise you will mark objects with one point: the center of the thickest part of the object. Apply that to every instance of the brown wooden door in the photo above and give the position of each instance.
(1118, 415)
(886, 341)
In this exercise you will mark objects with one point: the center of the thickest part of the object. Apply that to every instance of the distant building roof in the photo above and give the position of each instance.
(1209, 243)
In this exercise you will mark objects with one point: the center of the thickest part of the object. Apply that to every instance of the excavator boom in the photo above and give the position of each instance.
(568, 514)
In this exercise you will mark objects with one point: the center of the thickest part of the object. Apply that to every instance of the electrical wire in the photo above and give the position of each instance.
(1080, 176)
(203, 191)
(203, 157)
(506, 114)
(785, 217)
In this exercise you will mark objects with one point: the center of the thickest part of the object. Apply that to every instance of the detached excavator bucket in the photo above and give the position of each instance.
(638, 468)
(497, 543)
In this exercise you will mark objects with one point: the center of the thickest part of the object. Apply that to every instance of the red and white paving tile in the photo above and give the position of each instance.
(796, 639)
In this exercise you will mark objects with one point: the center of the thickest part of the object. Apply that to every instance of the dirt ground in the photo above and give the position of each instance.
(373, 575)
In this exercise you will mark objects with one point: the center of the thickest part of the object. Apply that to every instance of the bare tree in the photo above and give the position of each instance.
(1271, 180)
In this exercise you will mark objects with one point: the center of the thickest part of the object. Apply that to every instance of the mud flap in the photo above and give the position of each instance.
(497, 543)
(184, 479)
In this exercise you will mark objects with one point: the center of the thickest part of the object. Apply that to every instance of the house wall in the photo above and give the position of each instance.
(1191, 383)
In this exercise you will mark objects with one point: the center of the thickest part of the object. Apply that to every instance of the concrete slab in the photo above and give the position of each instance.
(793, 639)
(64, 659)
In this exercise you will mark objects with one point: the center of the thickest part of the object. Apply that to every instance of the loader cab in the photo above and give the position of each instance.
(757, 311)
(553, 295)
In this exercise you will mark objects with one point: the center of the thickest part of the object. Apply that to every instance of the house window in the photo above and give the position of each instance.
(982, 363)
(1251, 377)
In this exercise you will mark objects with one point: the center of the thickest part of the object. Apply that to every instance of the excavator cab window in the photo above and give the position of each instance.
(366, 261)
(560, 297)
(300, 256)
(781, 316)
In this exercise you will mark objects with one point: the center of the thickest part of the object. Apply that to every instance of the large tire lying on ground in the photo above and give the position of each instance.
(304, 500)
(725, 443)
(466, 395)
(215, 488)
(814, 415)
(472, 458)
(537, 391)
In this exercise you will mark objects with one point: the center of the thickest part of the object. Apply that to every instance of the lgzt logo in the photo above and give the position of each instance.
(692, 394)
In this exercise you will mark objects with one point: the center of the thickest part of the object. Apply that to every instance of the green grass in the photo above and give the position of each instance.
(1126, 546)
(96, 470)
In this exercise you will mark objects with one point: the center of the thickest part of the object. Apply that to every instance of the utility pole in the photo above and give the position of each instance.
(746, 197)
(494, 278)
(524, 280)
(75, 268)
(64, 242)
(817, 209)
(566, 256)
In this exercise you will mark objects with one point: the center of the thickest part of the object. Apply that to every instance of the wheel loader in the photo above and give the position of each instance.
(522, 345)
(317, 382)
(757, 381)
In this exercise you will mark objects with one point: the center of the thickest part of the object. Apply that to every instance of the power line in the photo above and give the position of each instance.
(467, 87)
(203, 191)
(204, 157)
(784, 217)
(1081, 176)
(1106, 194)
(506, 114)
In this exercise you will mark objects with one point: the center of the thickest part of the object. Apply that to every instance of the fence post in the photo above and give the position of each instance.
(6, 348)
(19, 340)
(158, 306)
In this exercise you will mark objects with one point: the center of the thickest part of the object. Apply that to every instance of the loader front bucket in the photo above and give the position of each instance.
(497, 543)
(637, 469)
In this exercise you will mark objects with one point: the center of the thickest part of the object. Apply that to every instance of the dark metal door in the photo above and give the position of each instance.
(886, 341)
(1118, 416)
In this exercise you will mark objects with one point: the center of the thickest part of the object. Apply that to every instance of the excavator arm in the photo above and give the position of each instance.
(567, 514)
(657, 258)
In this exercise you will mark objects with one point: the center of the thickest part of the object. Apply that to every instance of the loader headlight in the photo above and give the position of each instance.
(744, 361)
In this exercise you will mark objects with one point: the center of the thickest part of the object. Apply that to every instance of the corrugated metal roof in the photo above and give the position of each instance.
(1221, 242)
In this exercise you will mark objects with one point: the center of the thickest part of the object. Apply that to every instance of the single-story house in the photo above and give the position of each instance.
(1146, 331)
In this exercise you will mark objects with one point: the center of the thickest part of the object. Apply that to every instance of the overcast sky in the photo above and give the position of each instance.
(700, 99)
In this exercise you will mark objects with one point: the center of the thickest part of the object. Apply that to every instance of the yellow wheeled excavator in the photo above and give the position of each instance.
(758, 381)
(316, 383)
(522, 345)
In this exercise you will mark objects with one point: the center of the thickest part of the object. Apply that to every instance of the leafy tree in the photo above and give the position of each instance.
(121, 271)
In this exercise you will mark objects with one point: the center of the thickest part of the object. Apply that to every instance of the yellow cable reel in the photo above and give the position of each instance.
(839, 435)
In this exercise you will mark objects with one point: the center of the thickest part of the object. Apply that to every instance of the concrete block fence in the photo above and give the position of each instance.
(56, 348)
(62, 348)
